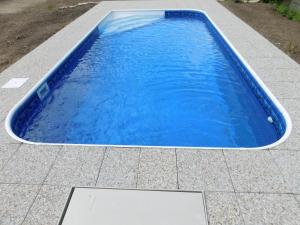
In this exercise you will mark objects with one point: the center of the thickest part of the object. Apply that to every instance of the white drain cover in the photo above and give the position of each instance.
(15, 83)
(92, 206)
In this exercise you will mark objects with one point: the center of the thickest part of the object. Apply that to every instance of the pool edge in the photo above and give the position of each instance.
(280, 108)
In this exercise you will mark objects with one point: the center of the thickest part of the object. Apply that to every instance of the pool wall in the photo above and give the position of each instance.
(23, 110)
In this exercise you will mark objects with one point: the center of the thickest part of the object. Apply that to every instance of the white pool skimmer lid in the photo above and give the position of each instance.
(96, 206)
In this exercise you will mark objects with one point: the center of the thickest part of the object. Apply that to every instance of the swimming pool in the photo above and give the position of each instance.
(151, 78)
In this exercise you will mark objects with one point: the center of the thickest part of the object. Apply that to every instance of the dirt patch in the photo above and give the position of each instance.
(264, 18)
(23, 30)
(13, 6)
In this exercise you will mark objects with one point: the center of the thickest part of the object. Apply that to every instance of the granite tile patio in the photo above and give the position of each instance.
(269, 209)
(30, 165)
(292, 107)
(48, 205)
(16, 200)
(223, 208)
(203, 170)
(4, 137)
(157, 169)
(289, 165)
(255, 171)
(278, 75)
(241, 187)
(6, 152)
(79, 165)
(119, 168)
(297, 197)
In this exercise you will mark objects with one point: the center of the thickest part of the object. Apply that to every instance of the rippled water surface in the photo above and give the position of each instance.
(168, 83)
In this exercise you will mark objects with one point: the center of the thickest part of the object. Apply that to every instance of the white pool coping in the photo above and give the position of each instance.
(96, 22)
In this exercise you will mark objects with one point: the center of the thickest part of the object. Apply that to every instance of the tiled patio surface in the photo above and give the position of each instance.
(241, 187)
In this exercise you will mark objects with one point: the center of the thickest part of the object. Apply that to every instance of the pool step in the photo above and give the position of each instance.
(128, 23)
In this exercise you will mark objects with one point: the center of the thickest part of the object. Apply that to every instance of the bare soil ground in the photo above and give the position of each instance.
(264, 18)
(26, 24)
(13, 6)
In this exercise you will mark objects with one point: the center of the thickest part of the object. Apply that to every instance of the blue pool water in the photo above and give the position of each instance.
(153, 82)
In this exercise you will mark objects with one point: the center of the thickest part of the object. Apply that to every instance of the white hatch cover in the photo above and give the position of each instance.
(15, 83)
(96, 206)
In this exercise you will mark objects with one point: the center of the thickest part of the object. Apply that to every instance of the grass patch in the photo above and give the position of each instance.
(284, 9)
(291, 48)
(50, 7)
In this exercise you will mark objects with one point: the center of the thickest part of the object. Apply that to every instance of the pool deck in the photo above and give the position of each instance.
(241, 187)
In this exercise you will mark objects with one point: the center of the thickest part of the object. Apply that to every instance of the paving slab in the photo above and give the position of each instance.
(4, 136)
(292, 143)
(255, 171)
(266, 48)
(6, 151)
(245, 48)
(278, 75)
(76, 166)
(289, 90)
(269, 209)
(157, 169)
(293, 108)
(289, 164)
(30, 165)
(48, 206)
(223, 208)
(9, 98)
(7, 101)
(119, 168)
(272, 62)
(202, 170)
(297, 197)
(16, 200)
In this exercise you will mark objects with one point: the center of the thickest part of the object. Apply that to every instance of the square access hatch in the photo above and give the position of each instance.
(97, 206)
